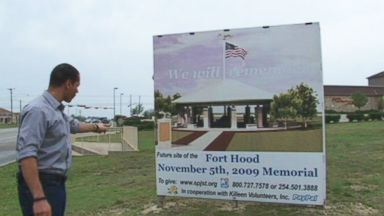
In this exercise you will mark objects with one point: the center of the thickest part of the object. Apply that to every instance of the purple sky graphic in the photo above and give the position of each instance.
(277, 59)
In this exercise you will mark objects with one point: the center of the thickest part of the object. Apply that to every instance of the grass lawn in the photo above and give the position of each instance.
(309, 140)
(124, 183)
(7, 126)
(294, 140)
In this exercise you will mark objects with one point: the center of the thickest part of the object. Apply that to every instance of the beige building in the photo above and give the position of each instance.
(6, 116)
(376, 79)
(338, 98)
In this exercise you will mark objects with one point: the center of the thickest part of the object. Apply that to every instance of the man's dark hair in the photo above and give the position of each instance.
(63, 72)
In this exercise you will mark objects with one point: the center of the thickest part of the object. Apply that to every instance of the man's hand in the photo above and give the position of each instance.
(42, 208)
(95, 127)
(30, 174)
(101, 128)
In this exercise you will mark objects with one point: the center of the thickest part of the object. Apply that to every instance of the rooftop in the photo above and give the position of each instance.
(336, 90)
(380, 74)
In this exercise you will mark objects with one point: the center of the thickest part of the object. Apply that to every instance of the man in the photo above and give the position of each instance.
(44, 145)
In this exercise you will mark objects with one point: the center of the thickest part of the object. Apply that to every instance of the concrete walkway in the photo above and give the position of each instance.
(93, 148)
(201, 143)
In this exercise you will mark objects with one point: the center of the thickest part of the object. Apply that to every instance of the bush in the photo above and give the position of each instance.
(141, 125)
(358, 116)
(375, 115)
(335, 118)
(330, 112)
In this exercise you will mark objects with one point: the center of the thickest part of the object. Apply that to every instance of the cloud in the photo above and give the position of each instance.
(113, 39)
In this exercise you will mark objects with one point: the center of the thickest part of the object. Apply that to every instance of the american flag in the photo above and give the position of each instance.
(234, 51)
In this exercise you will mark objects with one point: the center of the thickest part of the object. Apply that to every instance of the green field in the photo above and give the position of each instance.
(7, 125)
(294, 140)
(124, 183)
(309, 140)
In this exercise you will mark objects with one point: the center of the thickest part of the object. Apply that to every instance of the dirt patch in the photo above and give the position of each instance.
(340, 209)
(114, 212)
(228, 206)
(362, 188)
(151, 209)
(351, 209)
(231, 206)
(155, 208)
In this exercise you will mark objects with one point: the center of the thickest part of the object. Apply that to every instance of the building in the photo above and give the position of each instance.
(376, 79)
(338, 98)
(6, 116)
(256, 103)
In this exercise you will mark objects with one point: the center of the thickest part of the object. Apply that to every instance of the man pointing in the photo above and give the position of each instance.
(44, 145)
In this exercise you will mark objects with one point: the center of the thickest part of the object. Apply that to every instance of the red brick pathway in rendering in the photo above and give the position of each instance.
(221, 142)
(189, 138)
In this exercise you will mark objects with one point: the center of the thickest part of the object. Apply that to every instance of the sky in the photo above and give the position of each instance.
(111, 42)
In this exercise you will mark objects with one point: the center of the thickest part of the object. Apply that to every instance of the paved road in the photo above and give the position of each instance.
(7, 145)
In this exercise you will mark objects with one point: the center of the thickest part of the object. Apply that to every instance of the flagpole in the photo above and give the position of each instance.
(224, 58)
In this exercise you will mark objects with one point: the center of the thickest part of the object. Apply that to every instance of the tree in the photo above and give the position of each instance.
(283, 107)
(149, 113)
(79, 118)
(139, 108)
(359, 99)
(159, 101)
(380, 105)
(164, 104)
(300, 101)
(305, 102)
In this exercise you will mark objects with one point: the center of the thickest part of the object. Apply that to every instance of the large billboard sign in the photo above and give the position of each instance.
(240, 114)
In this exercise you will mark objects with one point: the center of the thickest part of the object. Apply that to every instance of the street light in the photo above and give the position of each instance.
(121, 94)
(114, 102)
(10, 90)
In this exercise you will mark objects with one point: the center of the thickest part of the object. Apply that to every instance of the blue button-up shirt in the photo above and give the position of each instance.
(45, 133)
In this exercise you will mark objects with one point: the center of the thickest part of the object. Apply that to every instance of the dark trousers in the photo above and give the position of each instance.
(54, 189)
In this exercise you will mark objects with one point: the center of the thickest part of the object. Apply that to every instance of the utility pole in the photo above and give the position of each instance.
(139, 106)
(130, 105)
(114, 102)
(121, 94)
(20, 110)
(10, 90)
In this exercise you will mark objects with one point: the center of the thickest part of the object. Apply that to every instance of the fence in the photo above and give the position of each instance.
(117, 139)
